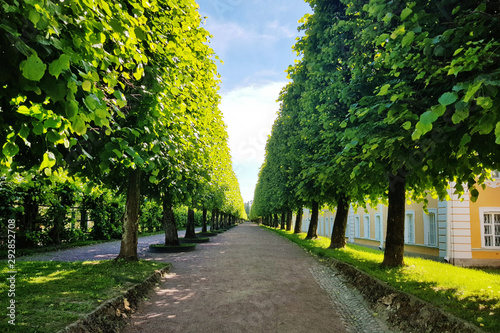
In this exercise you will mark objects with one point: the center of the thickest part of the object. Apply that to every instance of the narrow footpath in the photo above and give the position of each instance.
(251, 280)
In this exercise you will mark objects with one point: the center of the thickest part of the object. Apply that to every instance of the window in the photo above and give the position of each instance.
(378, 227)
(491, 229)
(410, 227)
(366, 225)
(430, 228)
(357, 227)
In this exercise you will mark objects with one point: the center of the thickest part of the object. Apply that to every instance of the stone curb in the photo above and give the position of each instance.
(398, 307)
(111, 316)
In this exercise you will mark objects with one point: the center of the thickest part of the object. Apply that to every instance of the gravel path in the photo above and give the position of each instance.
(102, 251)
(251, 280)
(244, 280)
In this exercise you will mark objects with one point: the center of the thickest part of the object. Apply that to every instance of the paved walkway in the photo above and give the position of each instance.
(102, 251)
(245, 280)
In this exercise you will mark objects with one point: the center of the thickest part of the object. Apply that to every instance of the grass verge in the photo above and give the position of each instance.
(470, 294)
(51, 295)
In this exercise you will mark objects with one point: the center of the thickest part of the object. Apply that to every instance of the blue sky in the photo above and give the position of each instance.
(254, 39)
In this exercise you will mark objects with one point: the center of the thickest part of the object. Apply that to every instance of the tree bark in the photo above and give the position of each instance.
(312, 232)
(275, 223)
(204, 220)
(190, 232)
(169, 224)
(283, 218)
(340, 223)
(298, 222)
(395, 239)
(289, 220)
(128, 248)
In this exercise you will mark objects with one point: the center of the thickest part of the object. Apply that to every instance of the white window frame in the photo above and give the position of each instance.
(427, 228)
(357, 227)
(409, 229)
(482, 211)
(378, 228)
(366, 226)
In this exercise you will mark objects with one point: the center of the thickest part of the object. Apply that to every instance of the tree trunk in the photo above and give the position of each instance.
(204, 220)
(283, 218)
(395, 240)
(190, 232)
(289, 220)
(212, 225)
(217, 219)
(83, 219)
(340, 224)
(57, 230)
(312, 233)
(298, 222)
(128, 248)
(169, 224)
(275, 223)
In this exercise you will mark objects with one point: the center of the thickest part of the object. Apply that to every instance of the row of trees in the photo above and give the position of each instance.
(123, 93)
(390, 100)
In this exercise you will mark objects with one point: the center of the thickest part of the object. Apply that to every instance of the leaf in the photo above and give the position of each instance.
(448, 98)
(407, 125)
(408, 38)
(497, 133)
(465, 139)
(23, 110)
(33, 68)
(59, 65)
(79, 126)
(86, 85)
(472, 90)
(428, 117)
(384, 90)
(9, 149)
(404, 14)
(49, 161)
(460, 115)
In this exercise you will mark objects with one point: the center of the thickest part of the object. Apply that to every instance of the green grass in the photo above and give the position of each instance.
(470, 294)
(51, 295)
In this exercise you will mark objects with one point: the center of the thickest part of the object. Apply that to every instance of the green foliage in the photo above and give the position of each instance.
(385, 88)
(133, 86)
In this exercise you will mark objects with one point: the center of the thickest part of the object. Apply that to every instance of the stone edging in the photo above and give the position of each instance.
(111, 316)
(399, 308)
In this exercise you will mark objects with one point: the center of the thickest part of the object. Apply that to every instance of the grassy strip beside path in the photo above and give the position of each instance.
(51, 295)
(471, 294)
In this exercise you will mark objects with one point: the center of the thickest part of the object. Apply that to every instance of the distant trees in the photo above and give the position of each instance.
(392, 99)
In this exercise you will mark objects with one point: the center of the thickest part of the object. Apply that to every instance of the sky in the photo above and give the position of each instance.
(254, 39)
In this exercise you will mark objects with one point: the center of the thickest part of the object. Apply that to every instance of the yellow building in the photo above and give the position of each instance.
(459, 231)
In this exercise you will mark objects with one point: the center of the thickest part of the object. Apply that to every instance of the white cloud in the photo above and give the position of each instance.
(249, 113)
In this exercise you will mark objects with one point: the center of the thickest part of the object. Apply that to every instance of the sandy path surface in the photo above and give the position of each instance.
(245, 280)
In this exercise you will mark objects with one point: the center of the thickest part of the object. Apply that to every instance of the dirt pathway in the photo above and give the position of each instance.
(245, 280)
(102, 251)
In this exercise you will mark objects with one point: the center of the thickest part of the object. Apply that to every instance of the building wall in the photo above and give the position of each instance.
(488, 200)
(459, 237)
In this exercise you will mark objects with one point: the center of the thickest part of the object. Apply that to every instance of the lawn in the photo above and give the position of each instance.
(471, 294)
(51, 295)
